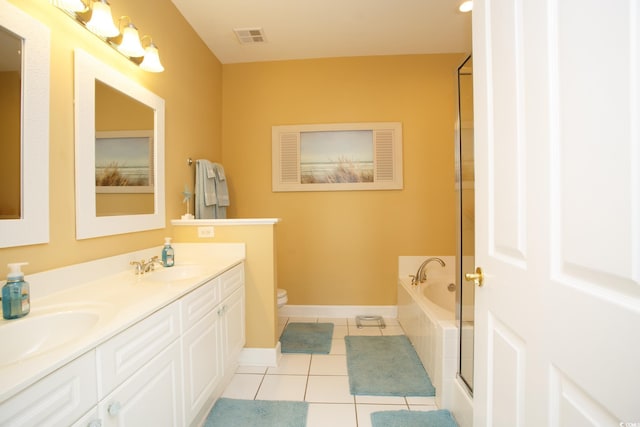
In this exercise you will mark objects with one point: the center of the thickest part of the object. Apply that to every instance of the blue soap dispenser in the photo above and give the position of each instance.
(16, 300)
(167, 253)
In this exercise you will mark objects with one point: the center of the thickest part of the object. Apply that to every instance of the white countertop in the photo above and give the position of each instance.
(120, 298)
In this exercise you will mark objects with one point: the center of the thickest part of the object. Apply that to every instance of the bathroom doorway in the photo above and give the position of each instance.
(466, 222)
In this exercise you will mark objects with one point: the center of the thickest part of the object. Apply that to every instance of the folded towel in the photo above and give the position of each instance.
(212, 193)
(220, 172)
(222, 191)
(211, 170)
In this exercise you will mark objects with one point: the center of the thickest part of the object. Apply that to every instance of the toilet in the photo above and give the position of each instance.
(282, 297)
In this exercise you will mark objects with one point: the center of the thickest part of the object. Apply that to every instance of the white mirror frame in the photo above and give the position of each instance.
(33, 226)
(88, 225)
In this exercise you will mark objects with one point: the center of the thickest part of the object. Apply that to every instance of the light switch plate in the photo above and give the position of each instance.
(205, 231)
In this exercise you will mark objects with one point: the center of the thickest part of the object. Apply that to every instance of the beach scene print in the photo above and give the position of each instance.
(123, 162)
(336, 156)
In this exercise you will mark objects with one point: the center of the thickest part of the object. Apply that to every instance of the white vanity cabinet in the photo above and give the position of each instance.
(165, 370)
(58, 399)
(213, 322)
(140, 372)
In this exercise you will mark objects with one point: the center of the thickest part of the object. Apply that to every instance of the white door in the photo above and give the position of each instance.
(557, 99)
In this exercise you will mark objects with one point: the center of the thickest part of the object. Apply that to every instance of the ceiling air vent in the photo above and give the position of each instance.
(250, 35)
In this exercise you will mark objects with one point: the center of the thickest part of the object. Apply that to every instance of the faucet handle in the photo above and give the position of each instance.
(138, 265)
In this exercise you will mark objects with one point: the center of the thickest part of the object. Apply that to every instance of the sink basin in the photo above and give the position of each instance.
(41, 332)
(175, 273)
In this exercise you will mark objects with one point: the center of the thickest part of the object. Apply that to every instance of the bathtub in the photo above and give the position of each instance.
(427, 315)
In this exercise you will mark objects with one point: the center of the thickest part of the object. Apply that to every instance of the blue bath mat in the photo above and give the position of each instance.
(311, 338)
(386, 366)
(257, 413)
(439, 418)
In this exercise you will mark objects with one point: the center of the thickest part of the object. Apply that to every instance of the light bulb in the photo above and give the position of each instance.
(466, 6)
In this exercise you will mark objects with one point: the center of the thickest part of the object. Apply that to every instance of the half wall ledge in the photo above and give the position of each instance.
(223, 222)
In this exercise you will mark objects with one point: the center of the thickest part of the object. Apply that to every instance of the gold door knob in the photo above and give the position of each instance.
(477, 277)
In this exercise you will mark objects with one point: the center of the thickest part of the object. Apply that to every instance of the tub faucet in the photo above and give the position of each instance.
(421, 274)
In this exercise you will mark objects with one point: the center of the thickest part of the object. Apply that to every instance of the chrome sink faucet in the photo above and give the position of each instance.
(143, 266)
(421, 274)
(150, 265)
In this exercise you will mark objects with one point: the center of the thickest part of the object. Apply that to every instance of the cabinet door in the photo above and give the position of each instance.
(151, 397)
(203, 363)
(60, 398)
(123, 355)
(90, 419)
(233, 330)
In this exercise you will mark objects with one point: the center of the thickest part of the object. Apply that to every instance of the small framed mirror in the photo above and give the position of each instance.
(119, 152)
(24, 128)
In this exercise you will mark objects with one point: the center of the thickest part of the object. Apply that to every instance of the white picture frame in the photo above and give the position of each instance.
(337, 157)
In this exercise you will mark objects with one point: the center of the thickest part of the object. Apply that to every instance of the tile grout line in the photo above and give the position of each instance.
(255, 396)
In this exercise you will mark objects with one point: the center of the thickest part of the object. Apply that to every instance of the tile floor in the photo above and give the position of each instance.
(322, 381)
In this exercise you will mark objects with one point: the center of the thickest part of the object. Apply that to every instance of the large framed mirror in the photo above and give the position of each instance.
(119, 152)
(24, 128)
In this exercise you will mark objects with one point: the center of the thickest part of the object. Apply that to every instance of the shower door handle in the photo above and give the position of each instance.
(477, 277)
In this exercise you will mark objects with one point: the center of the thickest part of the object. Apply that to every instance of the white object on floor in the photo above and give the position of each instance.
(282, 297)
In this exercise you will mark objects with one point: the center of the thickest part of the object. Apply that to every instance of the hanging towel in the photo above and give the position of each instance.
(222, 192)
(212, 193)
(202, 209)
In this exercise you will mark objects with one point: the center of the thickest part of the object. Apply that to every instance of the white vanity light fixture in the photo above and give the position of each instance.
(130, 41)
(466, 6)
(101, 21)
(95, 15)
(151, 60)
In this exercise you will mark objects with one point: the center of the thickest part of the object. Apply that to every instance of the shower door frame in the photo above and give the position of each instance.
(459, 247)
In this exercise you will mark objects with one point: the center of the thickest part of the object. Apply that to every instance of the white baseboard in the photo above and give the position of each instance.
(268, 357)
(387, 311)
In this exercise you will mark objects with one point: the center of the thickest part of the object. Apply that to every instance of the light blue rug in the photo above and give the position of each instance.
(257, 413)
(311, 338)
(439, 418)
(386, 366)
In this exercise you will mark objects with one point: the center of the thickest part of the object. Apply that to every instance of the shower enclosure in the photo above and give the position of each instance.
(466, 222)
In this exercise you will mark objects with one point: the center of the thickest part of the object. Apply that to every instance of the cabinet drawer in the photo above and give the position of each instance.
(231, 280)
(198, 303)
(123, 355)
(60, 398)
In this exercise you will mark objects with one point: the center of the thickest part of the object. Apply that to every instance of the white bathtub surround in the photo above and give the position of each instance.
(429, 325)
(110, 289)
(461, 404)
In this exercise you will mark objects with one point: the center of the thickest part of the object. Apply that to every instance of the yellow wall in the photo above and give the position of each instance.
(341, 248)
(10, 144)
(260, 275)
(191, 88)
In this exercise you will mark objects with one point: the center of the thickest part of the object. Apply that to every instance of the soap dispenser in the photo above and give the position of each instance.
(15, 293)
(167, 253)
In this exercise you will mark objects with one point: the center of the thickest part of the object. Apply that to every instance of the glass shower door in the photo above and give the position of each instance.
(466, 218)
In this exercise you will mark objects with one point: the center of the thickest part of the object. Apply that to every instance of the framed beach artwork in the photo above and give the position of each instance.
(124, 161)
(337, 157)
